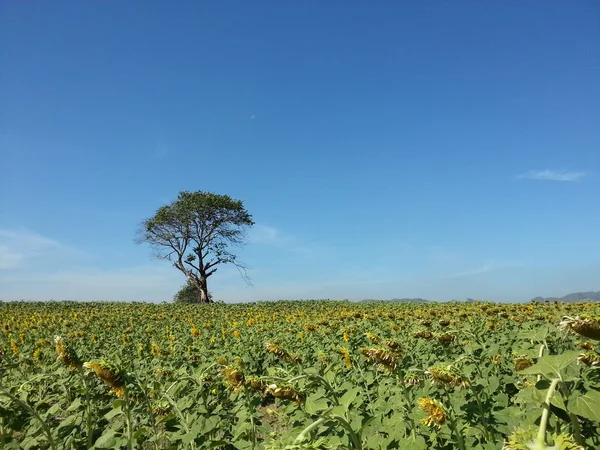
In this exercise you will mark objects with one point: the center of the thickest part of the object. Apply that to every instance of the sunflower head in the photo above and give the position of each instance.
(277, 350)
(374, 339)
(448, 376)
(589, 359)
(108, 373)
(585, 345)
(521, 439)
(234, 377)
(383, 357)
(346, 355)
(394, 345)
(424, 334)
(584, 326)
(66, 354)
(285, 392)
(436, 414)
(256, 383)
(524, 439)
(522, 362)
(446, 338)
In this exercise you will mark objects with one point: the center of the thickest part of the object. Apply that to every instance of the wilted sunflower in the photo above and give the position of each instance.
(392, 344)
(423, 334)
(589, 359)
(584, 326)
(256, 383)
(281, 352)
(346, 355)
(382, 357)
(585, 345)
(109, 374)
(445, 338)
(374, 339)
(234, 377)
(446, 375)
(285, 392)
(412, 380)
(436, 415)
(522, 362)
(66, 354)
(160, 408)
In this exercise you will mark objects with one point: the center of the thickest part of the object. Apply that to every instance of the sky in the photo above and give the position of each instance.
(430, 149)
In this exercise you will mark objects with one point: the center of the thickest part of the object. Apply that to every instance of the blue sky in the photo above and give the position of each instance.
(385, 149)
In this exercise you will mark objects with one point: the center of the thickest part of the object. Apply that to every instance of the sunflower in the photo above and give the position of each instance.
(589, 359)
(66, 354)
(346, 355)
(446, 375)
(382, 357)
(584, 326)
(109, 374)
(436, 415)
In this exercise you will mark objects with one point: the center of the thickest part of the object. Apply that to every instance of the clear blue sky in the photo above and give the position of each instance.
(386, 149)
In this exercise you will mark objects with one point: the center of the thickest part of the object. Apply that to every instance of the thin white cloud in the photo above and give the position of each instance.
(17, 247)
(10, 259)
(488, 266)
(272, 237)
(265, 235)
(552, 175)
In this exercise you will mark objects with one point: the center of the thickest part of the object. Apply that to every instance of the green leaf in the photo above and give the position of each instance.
(315, 404)
(552, 366)
(68, 421)
(412, 443)
(54, 408)
(349, 397)
(587, 405)
(189, 437)
(107, 440)
(112, 413)
(493, 384)
(75, 405)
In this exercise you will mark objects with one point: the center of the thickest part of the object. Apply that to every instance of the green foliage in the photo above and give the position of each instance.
(296, 375)
(189, 293)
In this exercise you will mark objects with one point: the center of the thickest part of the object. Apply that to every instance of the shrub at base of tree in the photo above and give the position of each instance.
(190, 293)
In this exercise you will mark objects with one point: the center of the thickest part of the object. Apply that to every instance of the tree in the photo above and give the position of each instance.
(189, 293)
(195, 232)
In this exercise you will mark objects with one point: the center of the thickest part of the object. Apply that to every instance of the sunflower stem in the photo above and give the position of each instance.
(541, 436)
(251, 412)
(128, 419)
(34, 413)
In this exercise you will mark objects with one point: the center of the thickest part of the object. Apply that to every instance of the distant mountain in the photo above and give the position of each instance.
(571, 298)
(415, 300)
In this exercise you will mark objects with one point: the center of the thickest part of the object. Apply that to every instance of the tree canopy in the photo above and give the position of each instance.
(195, 233)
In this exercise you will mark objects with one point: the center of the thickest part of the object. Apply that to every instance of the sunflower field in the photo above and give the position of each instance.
(300, 375)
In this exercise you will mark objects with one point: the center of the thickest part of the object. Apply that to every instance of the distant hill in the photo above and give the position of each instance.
(415, 300)
(571, 298)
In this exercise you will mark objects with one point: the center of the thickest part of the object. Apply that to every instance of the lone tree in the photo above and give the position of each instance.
(194, 232)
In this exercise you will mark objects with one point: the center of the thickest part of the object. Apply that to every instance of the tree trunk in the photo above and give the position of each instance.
(203, 288)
